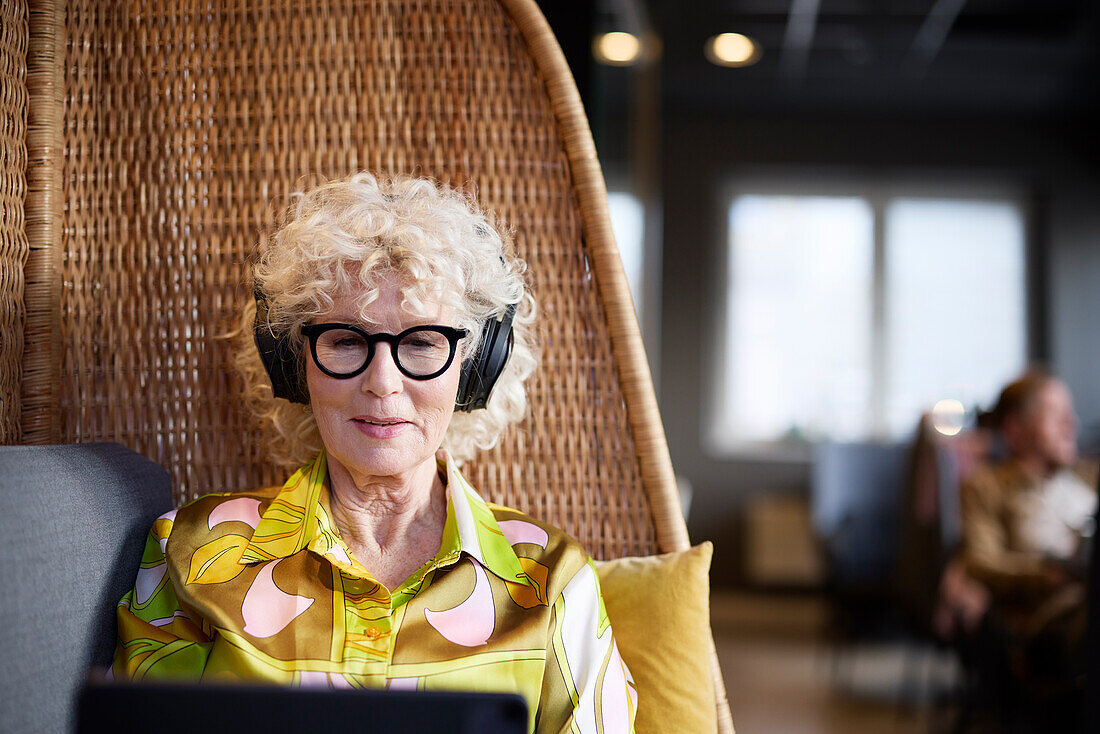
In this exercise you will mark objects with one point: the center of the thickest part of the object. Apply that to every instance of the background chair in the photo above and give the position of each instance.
(856, 495)
(157, 135)
(1091, 716)
(73, 521)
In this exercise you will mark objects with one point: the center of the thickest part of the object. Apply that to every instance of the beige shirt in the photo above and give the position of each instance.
(1013, 523)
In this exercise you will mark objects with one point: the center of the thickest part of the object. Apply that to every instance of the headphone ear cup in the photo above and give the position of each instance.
(481, 373)
(283, 368)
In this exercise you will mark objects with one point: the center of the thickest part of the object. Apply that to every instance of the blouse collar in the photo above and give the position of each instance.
(299, 518)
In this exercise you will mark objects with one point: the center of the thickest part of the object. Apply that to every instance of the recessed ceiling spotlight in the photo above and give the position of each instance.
(617, 48)
(732, 49)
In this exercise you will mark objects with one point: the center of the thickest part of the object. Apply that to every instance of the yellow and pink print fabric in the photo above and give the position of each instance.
(260, 587)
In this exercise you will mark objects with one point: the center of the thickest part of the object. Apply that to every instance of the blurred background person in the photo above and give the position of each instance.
(1027, 522)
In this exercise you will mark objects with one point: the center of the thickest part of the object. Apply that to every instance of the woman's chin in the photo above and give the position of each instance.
(382, 460)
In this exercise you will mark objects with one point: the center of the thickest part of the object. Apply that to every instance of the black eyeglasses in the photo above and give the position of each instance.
(344, 350)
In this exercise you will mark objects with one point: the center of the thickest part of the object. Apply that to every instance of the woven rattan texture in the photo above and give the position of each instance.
(185, 119)
(13, 189)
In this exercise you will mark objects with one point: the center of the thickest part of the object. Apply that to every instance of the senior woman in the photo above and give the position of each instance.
(384, 313)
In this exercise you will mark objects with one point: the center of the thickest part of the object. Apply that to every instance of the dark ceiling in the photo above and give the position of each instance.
(1013, 57)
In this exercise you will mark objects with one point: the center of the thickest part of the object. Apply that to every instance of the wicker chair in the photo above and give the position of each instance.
(159, 134)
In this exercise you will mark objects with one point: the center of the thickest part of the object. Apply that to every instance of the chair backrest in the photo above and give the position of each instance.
(13, 189)
(73, 521)
(856, 495)
(182, 125)
(950, 512)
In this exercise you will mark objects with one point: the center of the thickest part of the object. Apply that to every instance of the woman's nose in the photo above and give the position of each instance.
(382, 376)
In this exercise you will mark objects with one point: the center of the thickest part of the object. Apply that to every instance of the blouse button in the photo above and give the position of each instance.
(373, 633)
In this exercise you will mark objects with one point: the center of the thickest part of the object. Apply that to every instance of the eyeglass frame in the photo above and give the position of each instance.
(450, 333)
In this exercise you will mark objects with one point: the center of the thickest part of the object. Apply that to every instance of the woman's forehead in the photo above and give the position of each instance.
(389, 303)
(1054, 395)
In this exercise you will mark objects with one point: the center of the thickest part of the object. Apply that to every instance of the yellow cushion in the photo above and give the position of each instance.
(659, 608)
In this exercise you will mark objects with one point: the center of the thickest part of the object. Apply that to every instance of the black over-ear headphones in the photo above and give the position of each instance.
(479, 374)
(283, 366)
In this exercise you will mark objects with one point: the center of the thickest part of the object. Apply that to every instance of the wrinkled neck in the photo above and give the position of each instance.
(383, 515)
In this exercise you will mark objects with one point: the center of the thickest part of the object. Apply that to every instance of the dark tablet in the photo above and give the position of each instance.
(172, 709)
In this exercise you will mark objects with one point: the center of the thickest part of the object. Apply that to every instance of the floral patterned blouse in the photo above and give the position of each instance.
(260, 587)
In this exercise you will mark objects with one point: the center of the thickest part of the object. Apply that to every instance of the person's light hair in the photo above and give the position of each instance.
(342, 238)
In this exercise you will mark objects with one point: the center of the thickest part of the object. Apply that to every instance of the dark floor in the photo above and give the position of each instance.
(783, 677)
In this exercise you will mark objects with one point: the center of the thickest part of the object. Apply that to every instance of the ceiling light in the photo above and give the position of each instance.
(617, 48)
(732, 49)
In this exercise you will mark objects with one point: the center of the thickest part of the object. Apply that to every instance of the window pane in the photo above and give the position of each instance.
(628, 224)
(955, 304)
(798, 322)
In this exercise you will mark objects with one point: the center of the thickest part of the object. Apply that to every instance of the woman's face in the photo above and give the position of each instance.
(1046, 431)
(381, 423)
(1053, 424)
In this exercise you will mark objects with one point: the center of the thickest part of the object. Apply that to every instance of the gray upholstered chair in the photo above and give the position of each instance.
(73, 520)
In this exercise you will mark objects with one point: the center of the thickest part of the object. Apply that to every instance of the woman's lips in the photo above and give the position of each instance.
(380, 427)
